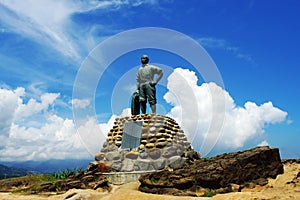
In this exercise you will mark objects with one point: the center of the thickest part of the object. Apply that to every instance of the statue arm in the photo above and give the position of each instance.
(137, 81)
(159, 73)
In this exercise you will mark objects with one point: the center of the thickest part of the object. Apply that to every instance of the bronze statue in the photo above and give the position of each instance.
(146, 84)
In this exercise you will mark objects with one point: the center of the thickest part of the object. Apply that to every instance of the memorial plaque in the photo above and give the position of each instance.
(132, 134)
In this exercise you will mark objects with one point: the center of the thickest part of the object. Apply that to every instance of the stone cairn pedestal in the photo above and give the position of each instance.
(162, 144)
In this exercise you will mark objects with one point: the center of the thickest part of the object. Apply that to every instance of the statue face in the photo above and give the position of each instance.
(144, 60)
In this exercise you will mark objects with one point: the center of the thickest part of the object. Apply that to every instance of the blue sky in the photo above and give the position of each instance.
(46, 45)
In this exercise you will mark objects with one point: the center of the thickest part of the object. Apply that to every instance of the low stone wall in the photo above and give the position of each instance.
(119, 178)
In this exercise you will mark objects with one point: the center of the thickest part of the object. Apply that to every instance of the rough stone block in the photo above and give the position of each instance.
(158, 164)
(115, 155)
(127, 165)
(154, 153)
(132, 155)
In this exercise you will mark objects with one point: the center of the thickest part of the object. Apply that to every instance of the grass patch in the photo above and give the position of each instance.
(31, 183)
(204, 158)
(153, 180)
(65, 173)
(192, 167)
(19, 190)
(209, 193)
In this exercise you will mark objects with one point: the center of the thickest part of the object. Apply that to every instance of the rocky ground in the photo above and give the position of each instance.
(285, 186)
(229, 172)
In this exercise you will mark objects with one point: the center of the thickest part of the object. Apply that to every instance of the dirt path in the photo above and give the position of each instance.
(127, 191)
(130, 191)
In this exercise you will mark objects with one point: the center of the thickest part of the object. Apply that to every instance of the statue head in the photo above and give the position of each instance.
(144, 59)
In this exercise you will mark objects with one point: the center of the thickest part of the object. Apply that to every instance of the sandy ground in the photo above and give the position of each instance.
(286, 186)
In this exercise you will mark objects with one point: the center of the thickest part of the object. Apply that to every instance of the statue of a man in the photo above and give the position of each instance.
(146, 83)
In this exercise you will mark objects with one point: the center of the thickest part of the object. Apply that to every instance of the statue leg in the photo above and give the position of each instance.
(153, 108)
(143, 106)
(151, 95)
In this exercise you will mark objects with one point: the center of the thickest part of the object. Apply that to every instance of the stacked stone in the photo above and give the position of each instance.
(157, 131)
(163, 143)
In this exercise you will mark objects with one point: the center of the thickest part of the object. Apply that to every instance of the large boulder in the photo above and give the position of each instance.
(219, 173)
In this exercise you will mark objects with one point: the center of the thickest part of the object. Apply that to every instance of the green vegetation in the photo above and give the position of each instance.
(205, 158)
(29, 182)
(209, 193)
(32, 183)
(193, 167)
(153, 180)
(65, 173)
(19, 190)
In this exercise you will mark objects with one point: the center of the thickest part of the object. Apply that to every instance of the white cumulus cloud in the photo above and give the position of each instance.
(263, 143)
(80, 103)
(31, 130)
(33, 106)
(9, 101)
(210, 117)
(94, 134)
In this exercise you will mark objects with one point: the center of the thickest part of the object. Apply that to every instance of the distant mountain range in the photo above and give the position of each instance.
(8, 172)
(15, 169)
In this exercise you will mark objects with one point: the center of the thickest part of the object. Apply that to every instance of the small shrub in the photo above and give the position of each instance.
(209, 193)
(18, 190)
(204, 158)
(156, 181)
(65, 173)
(193, 167)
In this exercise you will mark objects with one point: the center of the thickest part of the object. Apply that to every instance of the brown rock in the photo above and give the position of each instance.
(152, 129)
(99, 156)
(161, 144)
(88, 178)
(144, 142)
(151, 135)
(150, 145)
(168, 131)
(161, 140)
(92, 166)
(118, 143)
(145, 129)
(144, 136)
(77, 184)
(142, 147)
(169, 140)
(159, 125)
(132, 155)
(152, 140)
(222, 173)
(154, 153)
(104, 167)
(159, 135)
